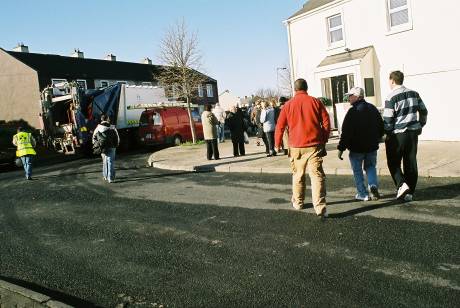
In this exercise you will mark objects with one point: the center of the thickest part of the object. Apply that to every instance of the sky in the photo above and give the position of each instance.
(243, 42)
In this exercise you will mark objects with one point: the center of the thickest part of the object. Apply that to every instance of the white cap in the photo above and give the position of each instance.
(356, 91)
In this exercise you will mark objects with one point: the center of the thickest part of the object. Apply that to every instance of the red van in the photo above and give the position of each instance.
(168, 125)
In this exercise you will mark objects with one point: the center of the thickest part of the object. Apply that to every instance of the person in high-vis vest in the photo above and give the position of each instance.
(25, 144)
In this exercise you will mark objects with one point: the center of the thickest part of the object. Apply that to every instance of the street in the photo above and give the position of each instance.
(182, 239)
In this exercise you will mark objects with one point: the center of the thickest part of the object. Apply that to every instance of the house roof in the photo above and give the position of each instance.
(62, 66)
(346, 56)
(311, 5)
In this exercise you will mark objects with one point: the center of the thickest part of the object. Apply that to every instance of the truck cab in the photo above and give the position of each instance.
(168, 125)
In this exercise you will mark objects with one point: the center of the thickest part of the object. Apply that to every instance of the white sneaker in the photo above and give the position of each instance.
(408, 198)
(361, 198)
(402, 191)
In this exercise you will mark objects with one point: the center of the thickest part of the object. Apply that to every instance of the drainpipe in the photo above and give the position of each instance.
(287, 23)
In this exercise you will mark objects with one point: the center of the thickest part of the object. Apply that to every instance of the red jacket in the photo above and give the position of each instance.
(307, 119)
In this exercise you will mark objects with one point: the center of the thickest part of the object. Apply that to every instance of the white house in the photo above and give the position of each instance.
(338, 44)
(228, 100)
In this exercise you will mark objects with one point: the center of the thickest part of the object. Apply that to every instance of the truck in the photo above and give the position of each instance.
(69, 114)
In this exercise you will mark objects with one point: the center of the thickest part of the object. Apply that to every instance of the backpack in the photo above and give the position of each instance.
(105, 140)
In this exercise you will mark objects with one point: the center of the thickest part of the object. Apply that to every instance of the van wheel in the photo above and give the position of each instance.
(177, 140)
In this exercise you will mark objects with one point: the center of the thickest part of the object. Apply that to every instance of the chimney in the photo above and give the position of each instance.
(77, 53)
(147, 61)
(110, 57)
(21, 48)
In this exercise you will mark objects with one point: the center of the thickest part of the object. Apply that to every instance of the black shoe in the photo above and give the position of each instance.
(217, 158)
(269, 155)
(29, 178)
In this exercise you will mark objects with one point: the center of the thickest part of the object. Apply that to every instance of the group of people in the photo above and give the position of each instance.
(302, 126)
(363, 128)
(214, 120)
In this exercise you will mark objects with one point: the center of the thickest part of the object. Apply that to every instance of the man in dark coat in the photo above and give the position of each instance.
(235, 123)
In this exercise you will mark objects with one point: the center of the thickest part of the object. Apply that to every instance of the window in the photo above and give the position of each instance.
(398, 14)
(209, 90)
(82, 84)
(335, 30)
(156, 119)
(55, 82)
(200, 91)
(104, 84)
(59, 86)
(369, 86)
(147, 84)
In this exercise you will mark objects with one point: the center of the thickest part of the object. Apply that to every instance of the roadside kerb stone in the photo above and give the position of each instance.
(435, 159)
(12, 295)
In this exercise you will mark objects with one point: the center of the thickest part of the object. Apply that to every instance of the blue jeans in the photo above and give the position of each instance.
(367, 162)
(27, 164)
(108, 164)
(221, 132)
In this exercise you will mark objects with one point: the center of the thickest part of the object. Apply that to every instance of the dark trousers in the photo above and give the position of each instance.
(271, 142)
(238, 148)
(212, 149)
(403, 146)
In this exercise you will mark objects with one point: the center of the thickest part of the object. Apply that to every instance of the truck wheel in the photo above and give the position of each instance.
(177, 140)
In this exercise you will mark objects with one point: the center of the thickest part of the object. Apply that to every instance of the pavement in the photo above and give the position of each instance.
(12, 295)
(435, 159)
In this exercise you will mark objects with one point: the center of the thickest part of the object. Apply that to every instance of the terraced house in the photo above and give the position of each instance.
(338, 44)
(23, 75)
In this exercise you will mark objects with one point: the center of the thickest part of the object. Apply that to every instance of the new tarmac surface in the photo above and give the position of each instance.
(219, 239)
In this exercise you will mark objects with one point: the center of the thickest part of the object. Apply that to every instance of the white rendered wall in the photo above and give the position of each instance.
(429, 54)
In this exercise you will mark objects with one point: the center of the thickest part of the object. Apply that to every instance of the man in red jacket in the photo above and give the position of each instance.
(309, 129)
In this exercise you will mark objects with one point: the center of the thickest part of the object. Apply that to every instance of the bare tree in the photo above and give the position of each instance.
(181, 58)
(267, 93)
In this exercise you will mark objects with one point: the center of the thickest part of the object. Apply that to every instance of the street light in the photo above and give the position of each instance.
(277, 78)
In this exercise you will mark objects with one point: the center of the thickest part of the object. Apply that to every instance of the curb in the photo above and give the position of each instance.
(15, 296)
(243, 169)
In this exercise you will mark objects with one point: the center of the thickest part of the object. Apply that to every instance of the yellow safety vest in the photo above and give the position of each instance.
(24, 144)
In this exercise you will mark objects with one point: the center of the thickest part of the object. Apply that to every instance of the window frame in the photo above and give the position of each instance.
(101, 81)
(337, 44)
(83, 80)
(58, 80)
(209, 90)
(200, 91)
(399, 28)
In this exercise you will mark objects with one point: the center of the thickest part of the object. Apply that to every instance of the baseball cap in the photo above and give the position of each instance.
(356, 91)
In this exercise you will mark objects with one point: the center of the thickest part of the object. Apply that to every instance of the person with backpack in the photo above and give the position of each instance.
(105, 142)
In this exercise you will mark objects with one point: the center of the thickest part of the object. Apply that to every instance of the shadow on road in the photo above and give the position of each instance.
(149, 177)
(449, 191)
(364, 208)
(212, 167)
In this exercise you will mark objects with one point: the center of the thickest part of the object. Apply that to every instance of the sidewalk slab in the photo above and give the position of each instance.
(435, 159)
(12, 295)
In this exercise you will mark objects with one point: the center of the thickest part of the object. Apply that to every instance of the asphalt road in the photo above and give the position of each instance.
(183, 239)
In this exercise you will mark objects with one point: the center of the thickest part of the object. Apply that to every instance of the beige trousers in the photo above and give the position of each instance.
(311, 158)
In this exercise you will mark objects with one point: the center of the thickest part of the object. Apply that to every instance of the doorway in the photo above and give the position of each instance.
(339, 86)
